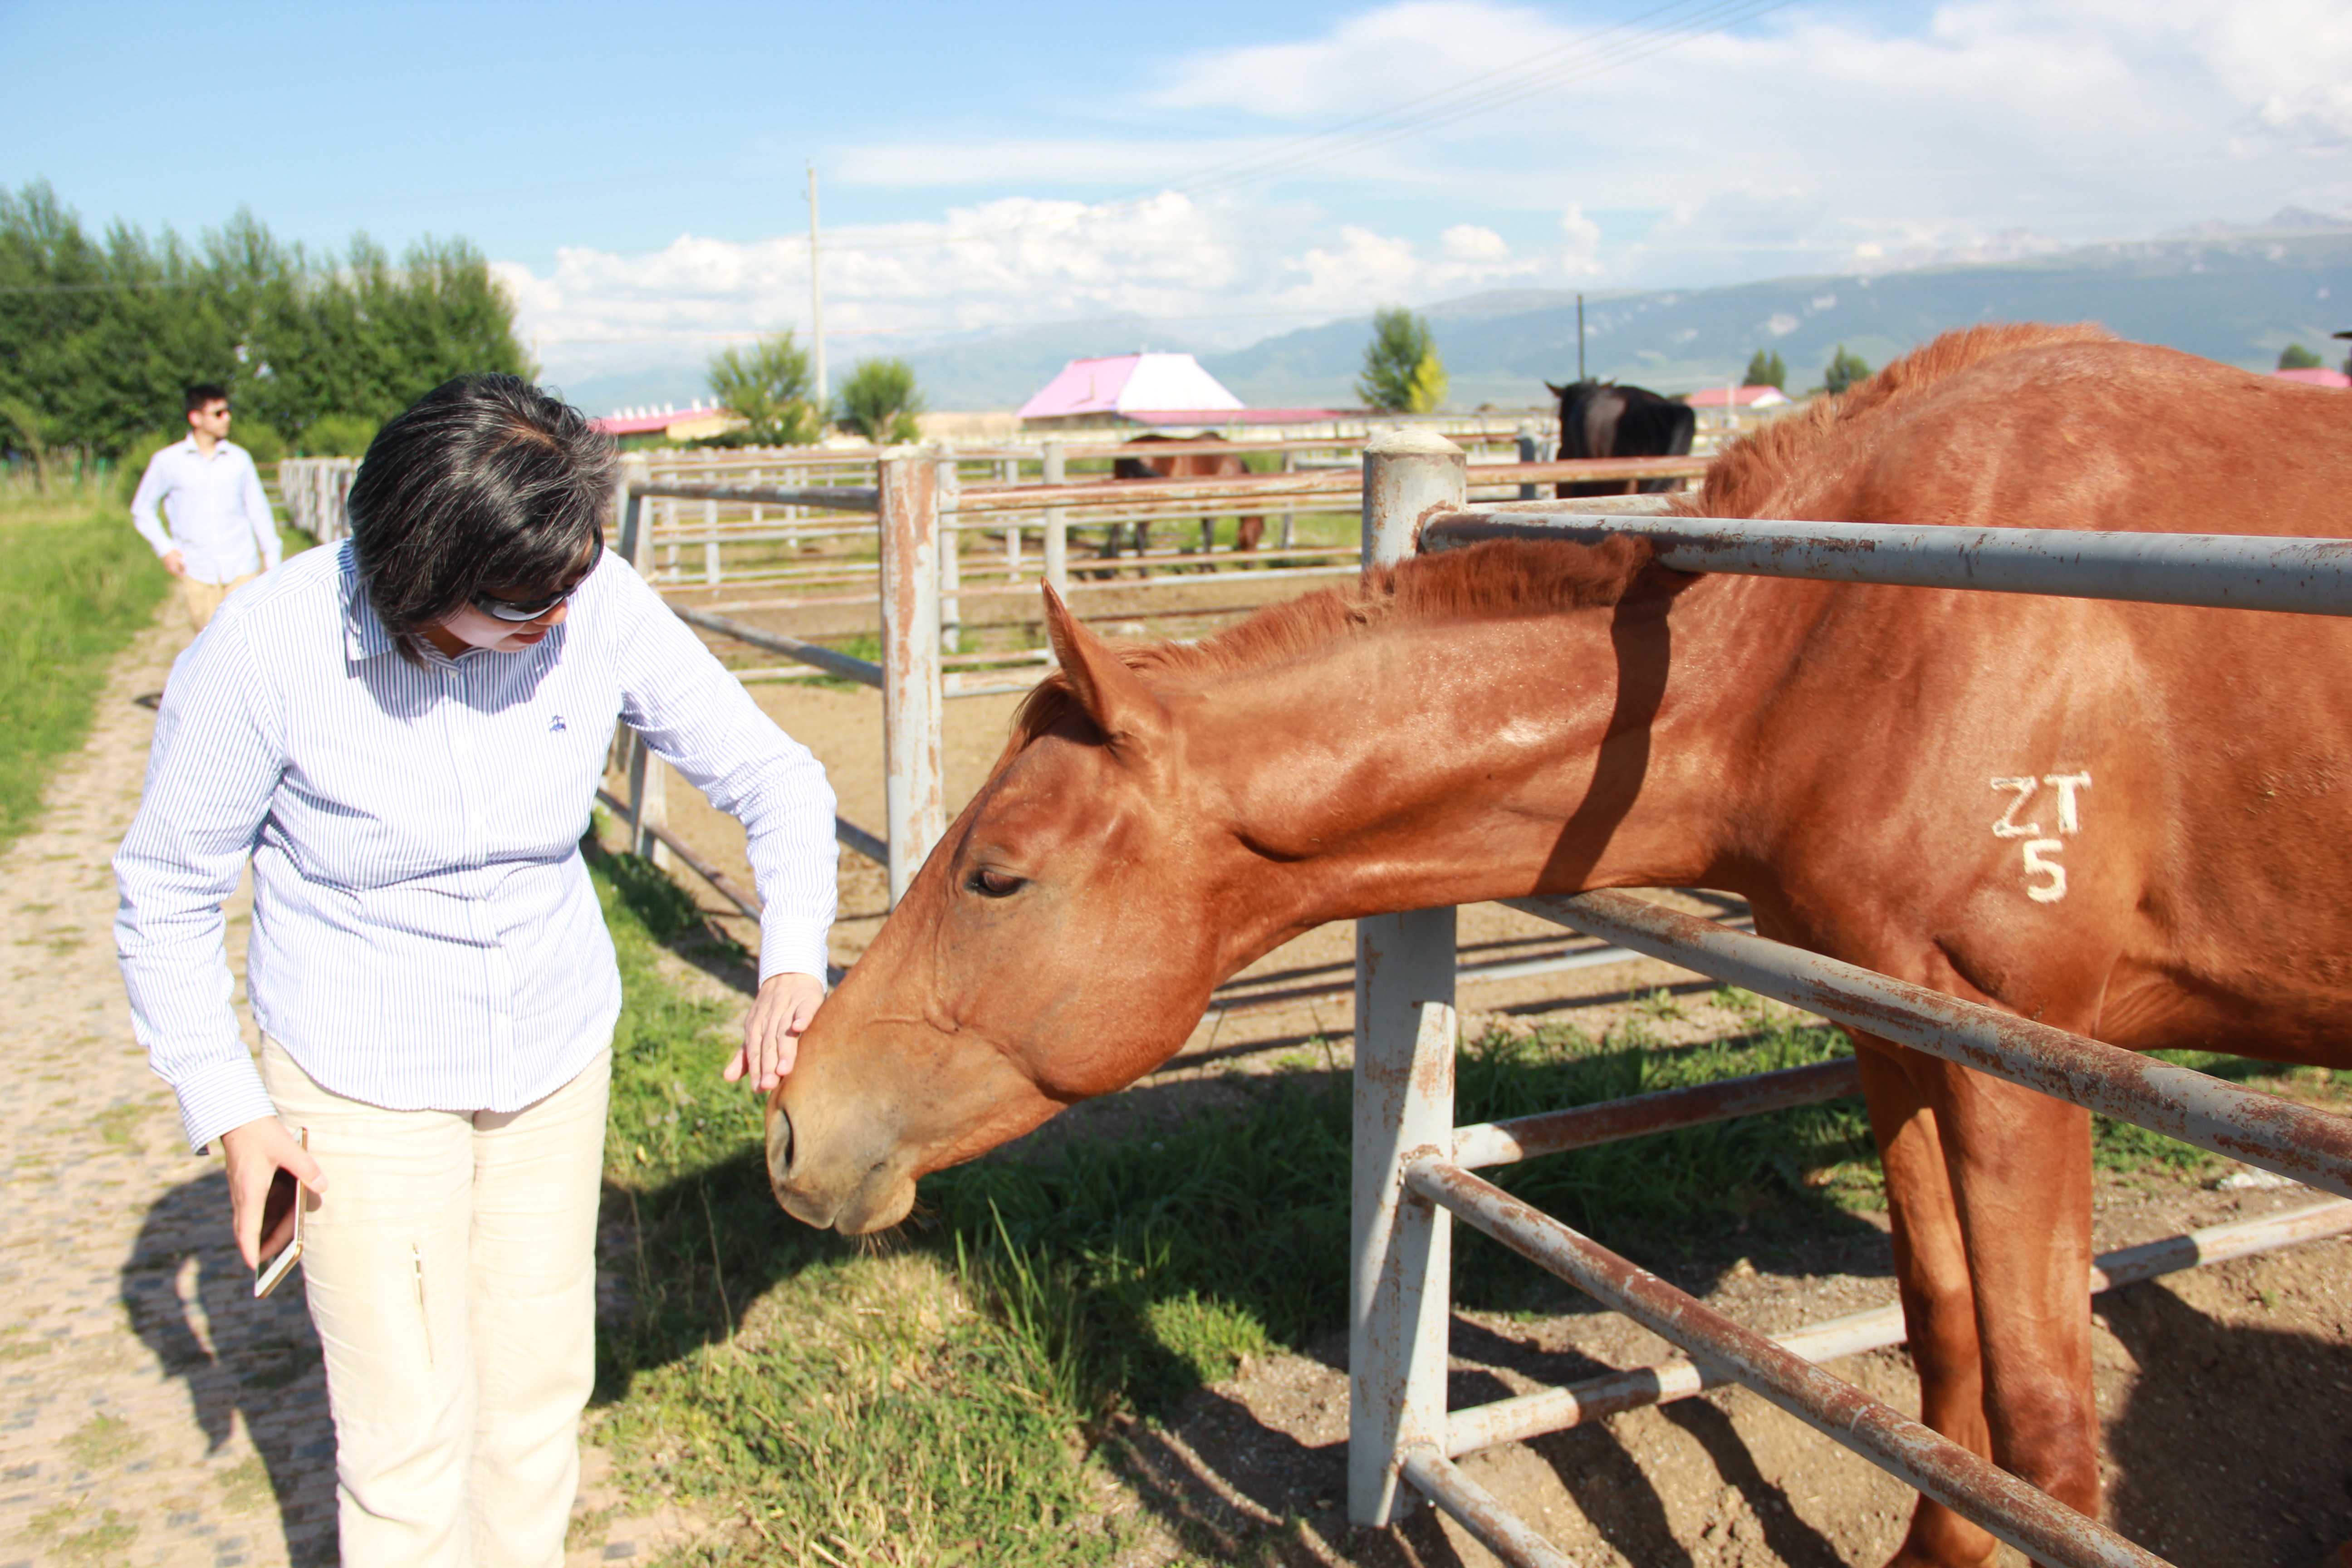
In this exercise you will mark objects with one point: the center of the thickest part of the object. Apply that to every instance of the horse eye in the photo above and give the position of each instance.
(991, 884)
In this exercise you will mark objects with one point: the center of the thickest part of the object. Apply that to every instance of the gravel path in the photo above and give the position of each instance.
(150, 1410)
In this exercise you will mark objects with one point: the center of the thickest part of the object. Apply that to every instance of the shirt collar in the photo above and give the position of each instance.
(365, 636)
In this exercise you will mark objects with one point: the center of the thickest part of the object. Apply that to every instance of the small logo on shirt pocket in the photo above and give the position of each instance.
(555, 725)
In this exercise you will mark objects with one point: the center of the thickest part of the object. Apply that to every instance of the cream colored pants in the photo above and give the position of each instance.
(204, 599)
(451, 1272)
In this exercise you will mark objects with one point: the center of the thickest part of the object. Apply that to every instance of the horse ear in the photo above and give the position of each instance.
(1555, 391)
(1121, 705)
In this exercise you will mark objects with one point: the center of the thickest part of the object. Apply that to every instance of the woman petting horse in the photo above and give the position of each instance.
(405, 735)
(2131, 821)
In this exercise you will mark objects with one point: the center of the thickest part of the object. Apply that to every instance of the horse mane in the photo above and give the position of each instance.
(1744, 477)
(1497, 579)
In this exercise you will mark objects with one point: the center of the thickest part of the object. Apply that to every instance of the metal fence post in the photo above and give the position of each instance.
(648, 795)
(710, 541)
(950, 556)
(1399, 1296)
(1057, 522)
(1528, 453)
(1289, 520)
(911, 695)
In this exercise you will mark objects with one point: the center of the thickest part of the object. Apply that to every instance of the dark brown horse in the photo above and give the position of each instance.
(2126, 820)
(1602, 419)
(1165, 465)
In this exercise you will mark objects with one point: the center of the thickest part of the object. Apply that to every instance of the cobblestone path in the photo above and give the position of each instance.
(150, 1410)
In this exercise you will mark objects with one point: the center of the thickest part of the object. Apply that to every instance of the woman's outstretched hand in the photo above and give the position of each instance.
(772, 1029)
(257, 1152)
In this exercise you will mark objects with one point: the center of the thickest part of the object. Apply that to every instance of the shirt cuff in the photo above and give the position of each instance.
(221, 1098)
(791, 950)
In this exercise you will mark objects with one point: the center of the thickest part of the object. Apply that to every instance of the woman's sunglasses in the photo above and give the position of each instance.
(519, 610)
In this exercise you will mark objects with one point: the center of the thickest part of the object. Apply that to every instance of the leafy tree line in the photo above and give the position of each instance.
(100, 333)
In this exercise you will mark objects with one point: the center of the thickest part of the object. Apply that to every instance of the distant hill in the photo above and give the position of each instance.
(2237, 296)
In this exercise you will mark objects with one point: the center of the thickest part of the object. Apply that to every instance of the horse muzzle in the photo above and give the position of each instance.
(852, 1195)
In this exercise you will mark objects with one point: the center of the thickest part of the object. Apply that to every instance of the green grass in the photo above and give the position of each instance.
(823, 1397)
(76, 584)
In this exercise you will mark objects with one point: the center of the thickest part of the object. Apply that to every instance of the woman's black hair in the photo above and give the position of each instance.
(484, 483)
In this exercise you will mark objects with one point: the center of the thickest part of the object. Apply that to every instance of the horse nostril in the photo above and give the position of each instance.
(779, 1146)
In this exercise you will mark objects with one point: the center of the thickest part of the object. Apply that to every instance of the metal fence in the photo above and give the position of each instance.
(316, 492)
(1413, 1166)
(904, 503)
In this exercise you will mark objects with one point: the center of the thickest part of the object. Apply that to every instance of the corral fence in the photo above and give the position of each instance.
(912, 515)
(316, 492)
(1414, 1169)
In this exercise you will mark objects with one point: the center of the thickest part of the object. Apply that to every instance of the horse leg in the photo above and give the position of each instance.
(1931, 1272)
(2017, 1192)
(1247, 531)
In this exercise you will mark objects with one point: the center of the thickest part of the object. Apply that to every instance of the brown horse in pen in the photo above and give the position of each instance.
(2131, 821)
(1162, 464)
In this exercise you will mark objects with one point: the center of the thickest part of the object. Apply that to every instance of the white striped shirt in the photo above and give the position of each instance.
(221, 523)
(424, 932)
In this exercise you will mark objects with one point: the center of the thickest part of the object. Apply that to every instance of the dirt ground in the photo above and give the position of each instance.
(2223, 1391)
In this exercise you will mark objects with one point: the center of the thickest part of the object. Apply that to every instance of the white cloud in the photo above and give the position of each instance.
(1816, 140)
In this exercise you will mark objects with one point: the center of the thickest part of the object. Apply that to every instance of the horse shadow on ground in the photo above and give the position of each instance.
(2235, 1444)
(190, 1300)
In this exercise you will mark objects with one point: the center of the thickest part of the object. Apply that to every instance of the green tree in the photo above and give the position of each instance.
(880, 402)
(1766, 370)
(1402, 373)
(2294, 356)
(100, 334)
(767, 386)
(1845, 370)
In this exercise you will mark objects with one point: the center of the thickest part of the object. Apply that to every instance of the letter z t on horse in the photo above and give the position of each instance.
(2129, 821)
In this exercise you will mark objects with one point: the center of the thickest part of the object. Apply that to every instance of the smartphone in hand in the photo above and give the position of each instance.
(281, 1230)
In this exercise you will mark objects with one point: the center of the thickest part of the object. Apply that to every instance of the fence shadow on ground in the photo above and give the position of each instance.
(190, 1300)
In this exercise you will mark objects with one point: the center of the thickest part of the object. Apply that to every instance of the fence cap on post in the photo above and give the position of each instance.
(1408, 441)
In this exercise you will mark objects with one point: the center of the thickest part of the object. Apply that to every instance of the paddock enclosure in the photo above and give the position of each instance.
(935, 554)
(1414, 1168)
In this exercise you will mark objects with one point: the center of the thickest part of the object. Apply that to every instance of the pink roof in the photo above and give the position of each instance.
(1130, 384)
(645, 424)
(2314, 378)
(1241, 415)
(1741, 398)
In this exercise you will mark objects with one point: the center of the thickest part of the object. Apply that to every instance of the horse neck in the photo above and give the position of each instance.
(1451, 761)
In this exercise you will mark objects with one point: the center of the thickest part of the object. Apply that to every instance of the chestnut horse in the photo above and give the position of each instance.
(1167, 465)
(2126, 820)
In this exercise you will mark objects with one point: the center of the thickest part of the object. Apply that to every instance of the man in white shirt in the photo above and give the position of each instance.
(222, 534)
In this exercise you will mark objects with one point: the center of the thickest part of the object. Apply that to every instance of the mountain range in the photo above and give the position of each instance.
(2235, 294)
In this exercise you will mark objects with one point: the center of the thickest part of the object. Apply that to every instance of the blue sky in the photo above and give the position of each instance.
(635, 172)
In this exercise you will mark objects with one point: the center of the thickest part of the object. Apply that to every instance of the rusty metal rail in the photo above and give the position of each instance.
(2312, 576)
(1557, 1409)
(2312, 1146)
(829, 498)
(2016, 1512)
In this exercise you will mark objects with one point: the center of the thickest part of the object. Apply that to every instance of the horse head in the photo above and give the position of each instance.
(1059, 942)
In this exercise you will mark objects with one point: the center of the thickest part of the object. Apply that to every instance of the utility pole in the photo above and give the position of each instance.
(1579, 329)
(816, 301)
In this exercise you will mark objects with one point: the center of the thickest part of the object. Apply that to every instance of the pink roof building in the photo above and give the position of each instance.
(1738, 397)
(2314, 378)
(1129, 389)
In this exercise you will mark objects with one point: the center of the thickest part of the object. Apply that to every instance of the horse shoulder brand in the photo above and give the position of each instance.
(2070, 818)
(2009, 826)
(2039, 852)
(2050, 891)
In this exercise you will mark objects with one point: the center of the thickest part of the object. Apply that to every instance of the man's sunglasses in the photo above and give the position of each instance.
(519, 610)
